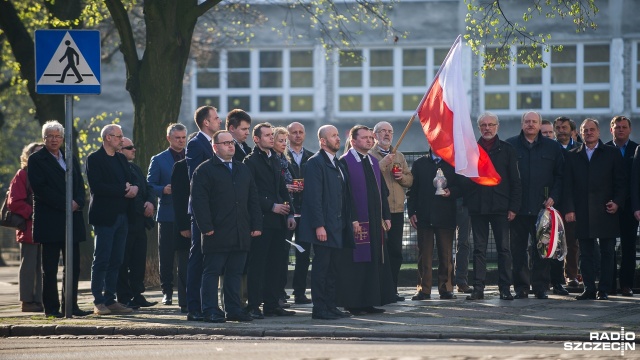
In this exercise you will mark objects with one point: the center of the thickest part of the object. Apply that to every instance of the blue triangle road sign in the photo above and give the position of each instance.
(67, 62)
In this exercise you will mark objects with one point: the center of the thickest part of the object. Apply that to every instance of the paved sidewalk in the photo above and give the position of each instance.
(561, 318)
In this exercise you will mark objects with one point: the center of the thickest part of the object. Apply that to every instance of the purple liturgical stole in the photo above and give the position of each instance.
(362, 252)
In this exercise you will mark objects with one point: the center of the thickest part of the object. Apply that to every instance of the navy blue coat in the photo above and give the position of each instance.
(158, 177)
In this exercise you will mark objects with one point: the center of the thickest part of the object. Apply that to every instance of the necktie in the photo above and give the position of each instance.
(335, 163)
(228, 164)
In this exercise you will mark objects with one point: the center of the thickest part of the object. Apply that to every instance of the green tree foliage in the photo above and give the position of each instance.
(493, 26)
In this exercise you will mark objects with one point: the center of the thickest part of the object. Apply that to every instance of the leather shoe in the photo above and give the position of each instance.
(373, 310)
(302, 299)
(140, 300)
(324, 315)
(587, 295)
(195, 316)
(447, 296)
(522, 294)
(421, 296)
(167, 299)
(241, 316)
(254, 313)
(573, 283)
(342, 314)
(602, 295)
(558, 289)
(132, 304)
(506, 295)
(279, 312)
(214, 318)
(626, 291)
(80, 312)
(476, 295)
(55, 314)
(399, 298)
(465, 289)
(541, 295)
(356, 311)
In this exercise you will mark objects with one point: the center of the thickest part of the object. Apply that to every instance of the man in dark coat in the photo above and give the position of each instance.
(495, 206)
(264, 262)
(299, 157)
(620, 130)
(433, 215)
(238, 123)
(595, 188)
(366, 279)
(140, 214)
(541, 163)
(47, 179)
(112, 187)
(327, 222)
(226, 209)
(199, 149)
(635, 184)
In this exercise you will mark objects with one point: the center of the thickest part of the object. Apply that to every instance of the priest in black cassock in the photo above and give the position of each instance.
(364, 274)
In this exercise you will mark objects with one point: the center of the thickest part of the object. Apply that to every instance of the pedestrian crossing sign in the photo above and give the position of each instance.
(67, 62)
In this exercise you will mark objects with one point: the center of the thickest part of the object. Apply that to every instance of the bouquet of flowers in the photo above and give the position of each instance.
(552, 242)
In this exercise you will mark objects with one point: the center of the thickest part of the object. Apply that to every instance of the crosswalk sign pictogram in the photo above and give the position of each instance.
(67, 61)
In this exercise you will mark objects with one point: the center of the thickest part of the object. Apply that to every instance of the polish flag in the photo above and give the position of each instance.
(445, 119)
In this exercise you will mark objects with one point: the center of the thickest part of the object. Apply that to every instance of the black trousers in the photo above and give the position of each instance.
(131, 276)
(264, 264)
(323, 277)
(166, 252)
(50, 260)
(522, 231)
(628, 239)
(480, 228)
(394, 245)
(303, 259)
(588, 263)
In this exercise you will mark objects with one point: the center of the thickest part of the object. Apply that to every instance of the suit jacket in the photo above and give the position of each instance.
(145, 194)
(266, 172)
(213, 185)
(241, 151)
(47, 180)
(327, 202)
(298, 173)
(589, 185)
(628, 167)
(635, 181)
(107, 191)
(180, 188)
(158, 177)
(198, 150)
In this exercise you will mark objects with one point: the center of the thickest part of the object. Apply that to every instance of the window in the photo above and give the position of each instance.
(385, 81)
(576, 79)
(262, 82)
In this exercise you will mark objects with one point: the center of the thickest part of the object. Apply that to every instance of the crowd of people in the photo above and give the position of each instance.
(227, 215)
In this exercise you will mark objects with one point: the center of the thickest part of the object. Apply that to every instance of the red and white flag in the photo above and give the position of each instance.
(445, 119)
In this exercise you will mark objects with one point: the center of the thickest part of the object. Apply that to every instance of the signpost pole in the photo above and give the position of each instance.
(68, 151)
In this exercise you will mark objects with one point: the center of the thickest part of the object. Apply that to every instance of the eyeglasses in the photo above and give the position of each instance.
(130, 147)
(488, 125)
(118, 136)
(385, 131)
(54, 137)
(225, 143)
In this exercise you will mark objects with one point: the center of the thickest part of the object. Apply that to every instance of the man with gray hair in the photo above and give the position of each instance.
(398, 177)
(112, 186)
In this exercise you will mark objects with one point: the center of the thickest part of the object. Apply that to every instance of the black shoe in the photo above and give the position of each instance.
(79, 312)
(399, 298)
(183, 309)
(132, 304)
(54, 314)
(506, 295)
(254, 313)
(573, 283)
(140, 300)
(602, 295)
(447, 296)
(466, 289)
(356, 311)
(279, 312)
(214, 318)
(241, 316)
(373, 310)
(167, 299)
(558, 289)
(324, 315)
(476, 295)
(626, 291)
(587, 295)
(302, 299)
(283, 304)
(541, 295)
(195, 316)
(342, 314)
(421, 296)
(522, 294)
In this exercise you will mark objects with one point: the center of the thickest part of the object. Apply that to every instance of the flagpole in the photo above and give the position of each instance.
(435, 78)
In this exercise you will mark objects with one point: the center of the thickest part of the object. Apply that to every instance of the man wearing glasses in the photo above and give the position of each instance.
(112, 186)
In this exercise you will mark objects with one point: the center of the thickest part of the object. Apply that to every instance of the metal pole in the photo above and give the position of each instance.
(68, 151)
